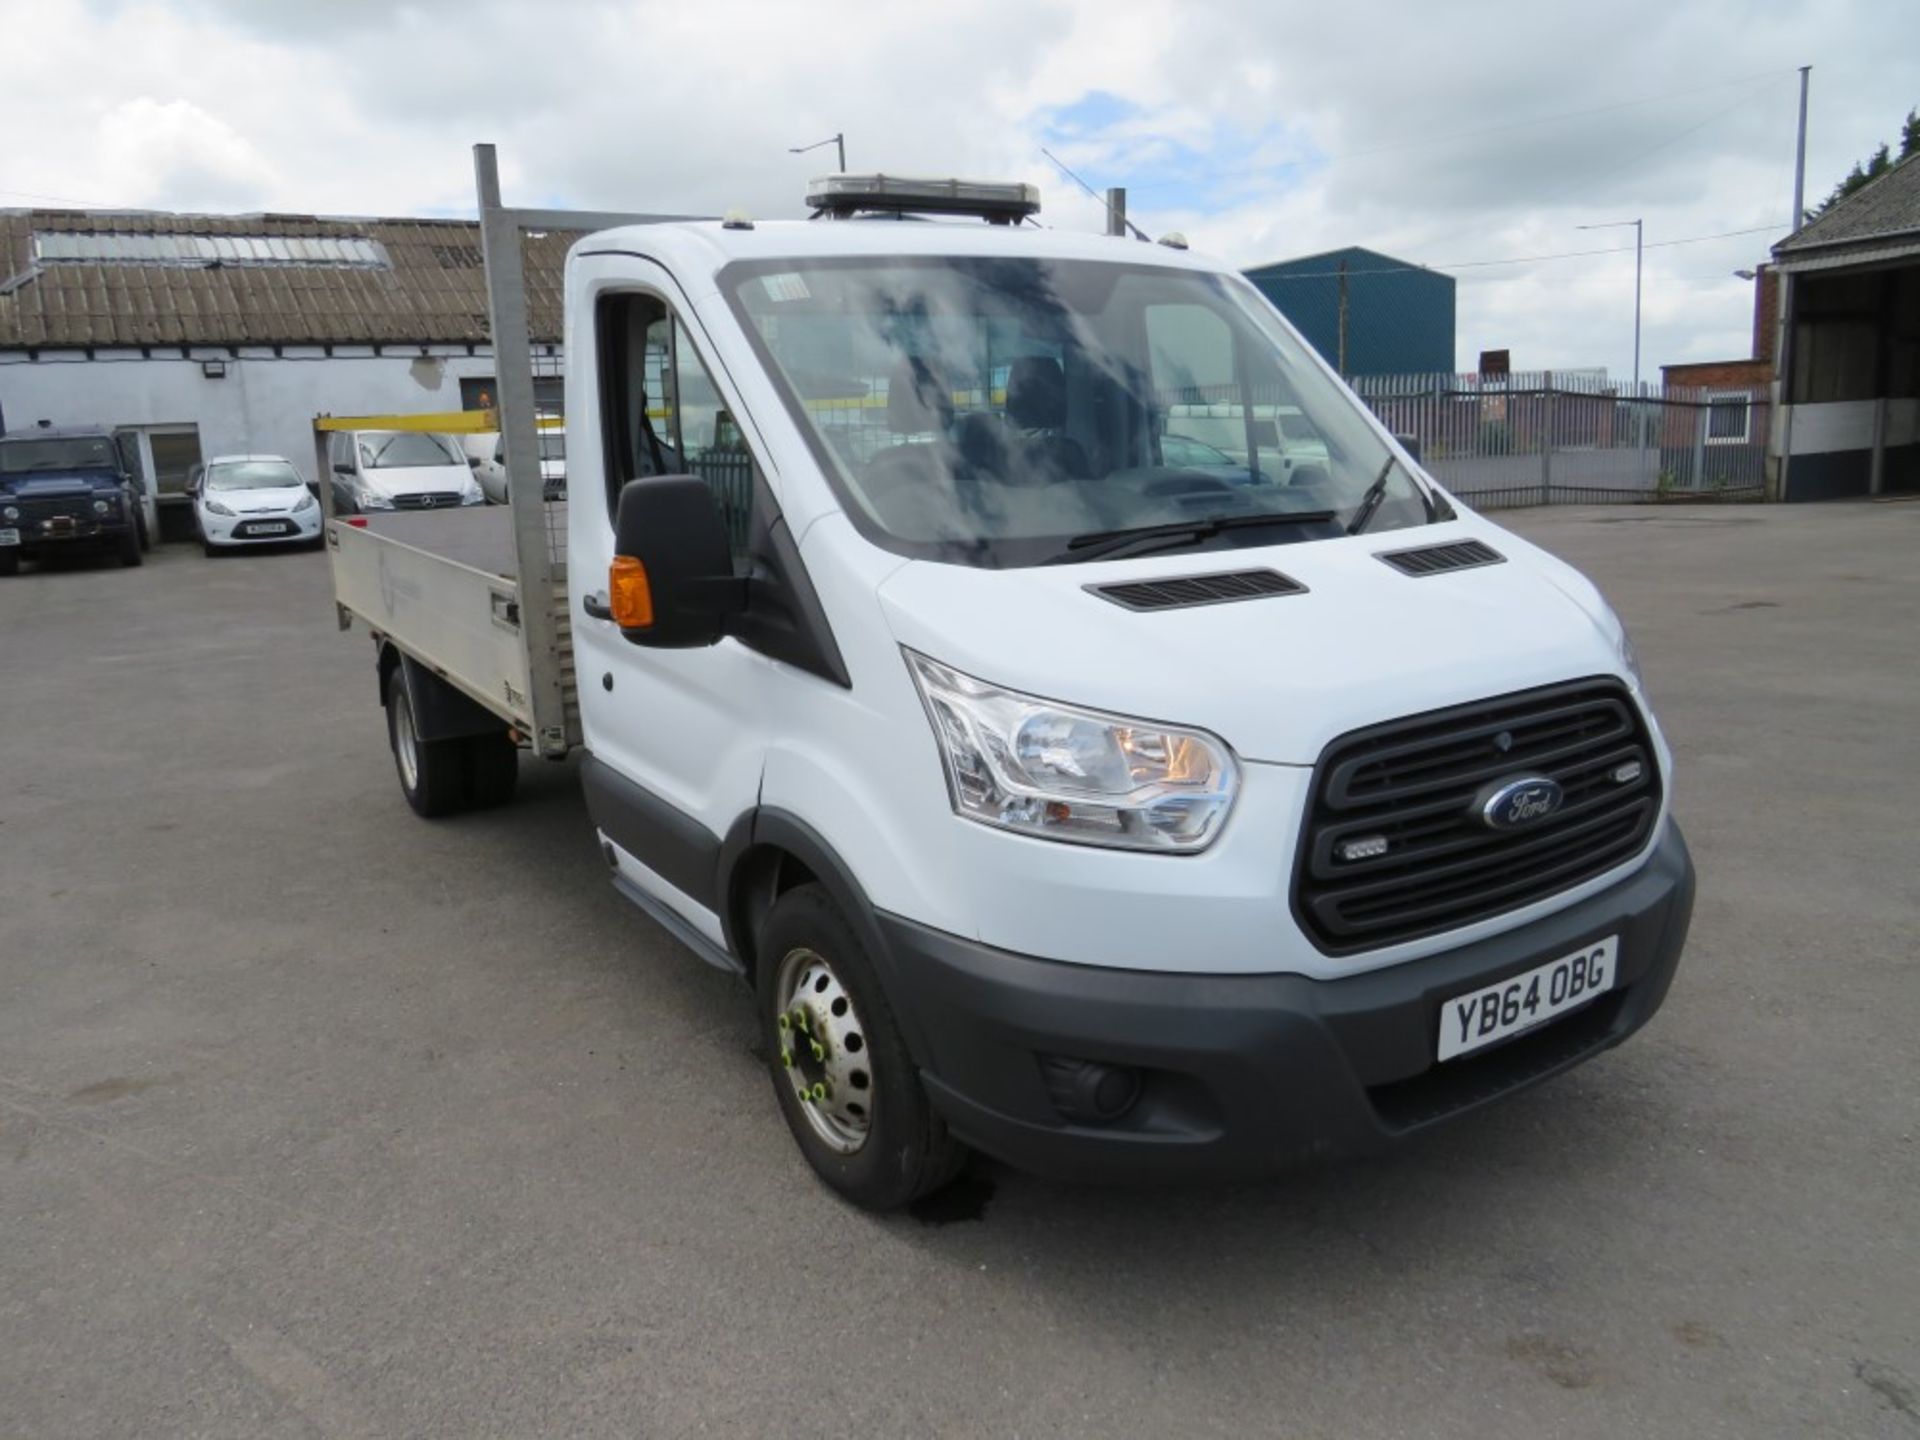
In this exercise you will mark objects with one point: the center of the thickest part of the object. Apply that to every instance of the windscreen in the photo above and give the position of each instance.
(996, 411)
(400, 449)
(73, 452)
(252, 475)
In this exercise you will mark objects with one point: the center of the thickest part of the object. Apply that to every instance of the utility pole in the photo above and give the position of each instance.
(1117, 210)
(1800, 156)
(1342, 365)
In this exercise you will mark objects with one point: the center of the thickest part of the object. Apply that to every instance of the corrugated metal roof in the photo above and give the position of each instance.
(1880, 211)
(430, 291)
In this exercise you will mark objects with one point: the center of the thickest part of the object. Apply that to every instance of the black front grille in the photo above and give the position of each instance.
(1183, 590)
(1416, 785)
(427, 500)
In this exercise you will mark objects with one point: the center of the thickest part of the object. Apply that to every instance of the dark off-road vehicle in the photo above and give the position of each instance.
(66, 490)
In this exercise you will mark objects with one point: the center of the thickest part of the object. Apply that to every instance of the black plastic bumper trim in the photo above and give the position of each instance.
(1249, 1074)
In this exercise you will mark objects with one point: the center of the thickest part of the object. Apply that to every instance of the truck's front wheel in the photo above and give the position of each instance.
(433, 773)
(850, 1092)
(129, 547)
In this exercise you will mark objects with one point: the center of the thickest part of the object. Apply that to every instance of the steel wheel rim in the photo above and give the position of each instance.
(403, 741)
(823, 1050)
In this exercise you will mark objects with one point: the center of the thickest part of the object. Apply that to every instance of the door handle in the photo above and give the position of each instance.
(596, 606)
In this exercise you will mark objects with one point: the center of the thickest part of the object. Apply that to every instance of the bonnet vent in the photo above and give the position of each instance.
(1437, 559)
(1183, 590)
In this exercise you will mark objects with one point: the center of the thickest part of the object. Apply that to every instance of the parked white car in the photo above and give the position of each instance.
(399, 470)
(486, 453)
(252, 500)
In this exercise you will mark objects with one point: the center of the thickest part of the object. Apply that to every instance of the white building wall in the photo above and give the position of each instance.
(263, 405)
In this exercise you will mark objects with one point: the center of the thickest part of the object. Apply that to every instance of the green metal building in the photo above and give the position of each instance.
(1399, 316)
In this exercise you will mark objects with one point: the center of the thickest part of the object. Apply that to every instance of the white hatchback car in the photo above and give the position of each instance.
(252, 500)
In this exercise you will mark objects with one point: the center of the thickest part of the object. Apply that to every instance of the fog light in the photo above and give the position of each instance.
(1365, 848)
(1088, 1092)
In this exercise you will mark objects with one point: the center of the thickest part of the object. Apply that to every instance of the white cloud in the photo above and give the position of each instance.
(1262, 129)
(171, 153)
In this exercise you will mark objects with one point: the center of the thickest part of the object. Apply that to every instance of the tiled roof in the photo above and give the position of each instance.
(1887, 208)
(431, 290)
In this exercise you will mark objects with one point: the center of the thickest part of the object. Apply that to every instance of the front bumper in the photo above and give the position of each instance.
(1248, 1074)
(79, 530)
(256, 529)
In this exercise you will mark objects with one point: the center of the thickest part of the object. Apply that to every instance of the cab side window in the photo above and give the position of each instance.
(662, 414)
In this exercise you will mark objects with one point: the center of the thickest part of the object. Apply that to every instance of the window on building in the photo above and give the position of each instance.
(1729, 418)
(480, 392)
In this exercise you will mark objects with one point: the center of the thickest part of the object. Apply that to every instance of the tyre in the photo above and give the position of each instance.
(433, 773)
(493, 769)
(9, 561)
(128, 547)
(850, 1092)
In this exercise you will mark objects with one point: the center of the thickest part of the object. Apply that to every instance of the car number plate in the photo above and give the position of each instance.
(9, 537)
(1480, 1017)
(268, 527)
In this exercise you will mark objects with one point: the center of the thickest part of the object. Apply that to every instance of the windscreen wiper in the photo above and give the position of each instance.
(1098, 544)
(1370, 502)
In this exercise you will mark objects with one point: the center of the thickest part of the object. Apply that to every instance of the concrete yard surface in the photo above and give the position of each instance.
(320, 1119)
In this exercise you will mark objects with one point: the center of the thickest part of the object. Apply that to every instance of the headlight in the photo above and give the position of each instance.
(214, 507)
(1063, 773)
(12, 512)
(305, 502)
(103, 507)
(370, 501)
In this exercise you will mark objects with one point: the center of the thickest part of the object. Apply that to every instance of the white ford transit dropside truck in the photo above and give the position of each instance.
(1114, 817)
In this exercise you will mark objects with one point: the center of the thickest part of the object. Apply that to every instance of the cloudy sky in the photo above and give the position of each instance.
(1453, 135)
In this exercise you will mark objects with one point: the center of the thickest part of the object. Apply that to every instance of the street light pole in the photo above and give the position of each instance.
(1639, 406)
(1637, 249)
(839, 141)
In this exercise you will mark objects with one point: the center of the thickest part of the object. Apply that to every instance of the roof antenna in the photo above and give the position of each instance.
(1138, 233)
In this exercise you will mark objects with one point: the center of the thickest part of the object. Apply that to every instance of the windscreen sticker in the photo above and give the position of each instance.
(789, 286)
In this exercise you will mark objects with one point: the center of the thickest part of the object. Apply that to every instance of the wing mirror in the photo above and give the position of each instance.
(671, 585)
(473, 462)
(343, 467)
(1410, 444)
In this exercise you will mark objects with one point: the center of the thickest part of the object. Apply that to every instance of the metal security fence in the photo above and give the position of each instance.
(1577, 437)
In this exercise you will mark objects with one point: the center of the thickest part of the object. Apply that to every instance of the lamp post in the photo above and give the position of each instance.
(838, 140)
(1639, 409)
(1614, 225)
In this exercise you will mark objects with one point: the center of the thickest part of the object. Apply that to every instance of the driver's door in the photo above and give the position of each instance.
(677, 737)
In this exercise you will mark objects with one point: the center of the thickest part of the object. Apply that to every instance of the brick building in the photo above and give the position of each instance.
(1735, 392)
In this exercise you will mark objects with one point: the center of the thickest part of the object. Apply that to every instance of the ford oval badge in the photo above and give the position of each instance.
(1511, 804)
